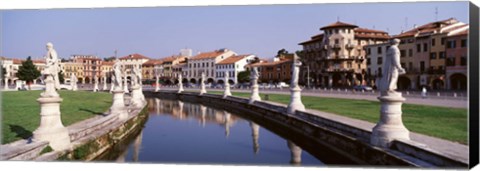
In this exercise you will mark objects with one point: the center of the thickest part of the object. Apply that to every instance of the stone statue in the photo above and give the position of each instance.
(117, 74)
(254, 74)
(202, 84)
(296, 70)
(391, 68)
(52, 67)
(137, 75)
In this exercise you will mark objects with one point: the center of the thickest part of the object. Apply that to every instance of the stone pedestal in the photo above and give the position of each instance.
(157, 88)
(51, 128)
(227, 91)
(118, 104)
(255, 96)
(295, 153)
(390, 126)
(111, 86)
(125, 85)
(95, 87)
(6, 84)
(202, 89)
(137, 97)
(105, 85)
(295, 101)
(180, 88)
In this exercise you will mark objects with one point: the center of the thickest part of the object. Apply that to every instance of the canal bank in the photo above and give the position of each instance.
(317, 133)
(89, 138)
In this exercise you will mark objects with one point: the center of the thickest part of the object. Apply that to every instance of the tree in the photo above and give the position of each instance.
(112, 58)
(244, 76)
(4, 71)
(281, 52)
(60, 77)
(28, 72)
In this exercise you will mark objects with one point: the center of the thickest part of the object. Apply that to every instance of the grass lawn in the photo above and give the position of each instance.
(21, 111)
(441, 122)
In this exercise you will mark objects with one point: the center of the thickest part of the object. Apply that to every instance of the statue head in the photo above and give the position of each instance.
(395, 41)
(49, 46)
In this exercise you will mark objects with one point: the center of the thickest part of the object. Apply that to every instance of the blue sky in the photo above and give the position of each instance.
(161, 31)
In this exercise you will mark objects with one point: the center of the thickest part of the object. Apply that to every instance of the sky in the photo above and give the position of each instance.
(158, 32)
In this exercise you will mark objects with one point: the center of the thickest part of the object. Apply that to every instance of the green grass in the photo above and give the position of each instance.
(21, 111)
(441, 122)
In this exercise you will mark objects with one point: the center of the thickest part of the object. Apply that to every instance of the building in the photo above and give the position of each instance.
(69, 67)
(336, 57)
(106, 70)
(205, 63)
(376, 54)
(91, 67)
(278, 70)
(150, 68)
(456, 65)
(168, 67)
(423, 52)
(233, 65)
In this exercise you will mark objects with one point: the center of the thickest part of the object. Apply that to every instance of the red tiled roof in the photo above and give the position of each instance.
(152, 62)
(429, 27)
(134, 56)
(172, 58)
(271, 63)
(108, 63)
(370, 36)
(318, 36)
(338, 24)
(208, 55)
(369, 30)
(232, 59)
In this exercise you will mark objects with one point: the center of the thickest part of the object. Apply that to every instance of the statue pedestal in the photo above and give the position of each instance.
(6, 84)
(95, 87)
(125, 87)
(180, 88)
(390, 126)
(295, 101)
(227, 91)
(137, 97)
(255, 96)
(104, 86)
(157, 88)
(202, 90)
(118, 105)
(51, 128)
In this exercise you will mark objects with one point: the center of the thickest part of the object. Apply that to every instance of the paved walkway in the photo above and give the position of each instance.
(453, 103)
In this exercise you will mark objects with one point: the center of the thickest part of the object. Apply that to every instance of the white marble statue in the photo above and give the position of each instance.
(254, 84)
(95, 83)
(52, 67)
(254, 75)
(117, 74)
(391, 68)
(180, 84)
(227, 86)
(296, 70)
(202, 84)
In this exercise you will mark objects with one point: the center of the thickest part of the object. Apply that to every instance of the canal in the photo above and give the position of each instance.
(183, 132)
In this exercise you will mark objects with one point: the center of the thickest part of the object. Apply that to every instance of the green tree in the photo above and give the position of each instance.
(244, 76)
(281, 52)
(28, 72)
(112, 58)
(4, 71)
(60, 77)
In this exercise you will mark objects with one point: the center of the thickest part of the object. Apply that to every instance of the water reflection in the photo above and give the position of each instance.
(223, 138)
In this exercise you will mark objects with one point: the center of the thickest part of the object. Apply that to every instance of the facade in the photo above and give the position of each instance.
(170, 72)
(278, 70)
(129, 61)
(456, 65)
(425, 55)
(91, 67)
(205, 62)
(376, 54)
(233, 65)
(150, 68)
(70, 67)
(336, 57)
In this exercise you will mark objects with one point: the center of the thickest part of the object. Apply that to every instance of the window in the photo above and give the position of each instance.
(410, 65)
(369, 72)
(379, 71)
(402, 64)
(368, 61)
(441, 55)
(379, 50)
(433, 42)
(463, 61)
(369, 51)
(419, 47)
(410, 52)
(425, 47)
(433, 55)
(336, 41)
(379, 60)
(402, 53)
(442, 41)
(422, 66)
(463, 43)
(336, 31)
(451, 44)
(450, 61)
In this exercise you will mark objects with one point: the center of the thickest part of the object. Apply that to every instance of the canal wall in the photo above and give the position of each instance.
(327, 138)
(89, 139)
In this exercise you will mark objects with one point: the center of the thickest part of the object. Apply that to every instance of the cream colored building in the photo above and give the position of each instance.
(205, 63)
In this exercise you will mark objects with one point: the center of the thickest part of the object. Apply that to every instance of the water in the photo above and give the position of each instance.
(182, 132)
